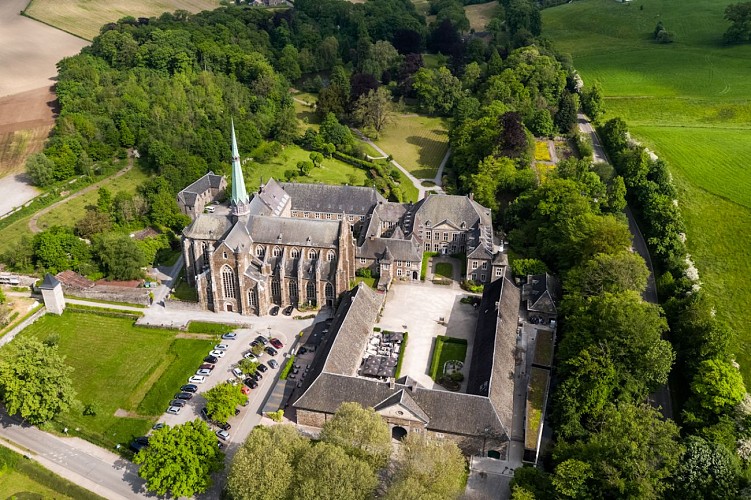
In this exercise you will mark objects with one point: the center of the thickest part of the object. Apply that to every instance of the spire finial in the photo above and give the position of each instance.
(239, 198)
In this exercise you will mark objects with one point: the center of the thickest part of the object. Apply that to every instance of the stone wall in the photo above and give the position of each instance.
(183, 306)
(110, 293)
(311, 418)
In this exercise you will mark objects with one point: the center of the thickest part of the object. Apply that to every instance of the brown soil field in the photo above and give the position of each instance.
(25, 123)
(479, 15)
(84, 18)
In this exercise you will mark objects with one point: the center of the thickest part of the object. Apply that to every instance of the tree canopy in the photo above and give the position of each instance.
(359, 431)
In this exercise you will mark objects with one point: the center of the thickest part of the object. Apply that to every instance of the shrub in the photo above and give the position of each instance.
(457, 376)
(90, 410)
(287, 368)
(403, 348)
(473, 286)
(364, 272)
(276, 416)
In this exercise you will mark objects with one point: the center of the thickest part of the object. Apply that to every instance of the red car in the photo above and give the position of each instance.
(276, 343)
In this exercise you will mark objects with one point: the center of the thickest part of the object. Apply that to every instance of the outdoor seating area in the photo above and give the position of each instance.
(382, 355)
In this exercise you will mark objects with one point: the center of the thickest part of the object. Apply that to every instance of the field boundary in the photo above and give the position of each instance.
(25, 14)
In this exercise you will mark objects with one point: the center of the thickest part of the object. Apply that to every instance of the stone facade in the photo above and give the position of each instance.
(193, 199)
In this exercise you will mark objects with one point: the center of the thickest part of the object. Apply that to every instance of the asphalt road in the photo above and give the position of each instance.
(661, 398)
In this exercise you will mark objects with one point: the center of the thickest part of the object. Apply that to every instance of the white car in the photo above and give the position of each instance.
(229, 336)
(221, 347)
(249, 355)
(203, 372)
(197, 379)
(223, 435)
(218, 354)
(174, 410)
(238, 373)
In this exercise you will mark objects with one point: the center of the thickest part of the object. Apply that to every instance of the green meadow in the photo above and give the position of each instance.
(690, 102)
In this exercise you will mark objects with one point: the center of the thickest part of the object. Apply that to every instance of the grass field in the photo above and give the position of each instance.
(689, 102)
(417, 143)
(446, 349)
(21, 478)
(480, 14)
(85, 17)
(444, 269)
(119, 366)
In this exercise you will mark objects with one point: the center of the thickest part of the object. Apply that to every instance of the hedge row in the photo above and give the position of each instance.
(402, 348)
(287, 368)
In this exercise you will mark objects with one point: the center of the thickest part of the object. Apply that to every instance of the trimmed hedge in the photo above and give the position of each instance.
(401, 356)
(440, 343)
(424, 268)
(287, 368)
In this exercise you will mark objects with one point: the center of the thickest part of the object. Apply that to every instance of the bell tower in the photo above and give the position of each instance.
(239, 200)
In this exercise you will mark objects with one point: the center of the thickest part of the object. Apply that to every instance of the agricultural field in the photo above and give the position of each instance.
(418, 143)
(480, 14)
(689, 102)
(83, 18)
(119, 366)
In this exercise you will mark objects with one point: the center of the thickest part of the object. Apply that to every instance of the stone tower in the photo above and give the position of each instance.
(239, 200)
(52, 293)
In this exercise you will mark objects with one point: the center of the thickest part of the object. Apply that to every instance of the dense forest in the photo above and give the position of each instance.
(169, 86)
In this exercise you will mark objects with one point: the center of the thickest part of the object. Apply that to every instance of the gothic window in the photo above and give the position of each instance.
(293, 293)
(224, 254)
(330, 256)
(260, 251)
(294, 253)
(277, 252)
(228, 282)
(329, 291)
(311, 254)
(310, 292)
(276, 291)
(252, 298)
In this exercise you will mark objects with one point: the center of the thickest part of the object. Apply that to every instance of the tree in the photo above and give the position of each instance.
(104, 200)
(120, 256)
(58, 249)
(612, 273)
(374, 109)
(179, 460)
(542, 124)
(359, 431)
(316, 158)
(221, 401)
(437, 90)
(248, 366)
(35, 381)
(265, 465)
(305, 167)
(428, 468)
(570, 478)
(346, 477)
(592, 103)
(513, 140)
(739, 16)
(92, 223)
(40, 169)
(716, 388)
(565, 118)
(706, 471)
(288, 63)
(523, 267)
(487, 181)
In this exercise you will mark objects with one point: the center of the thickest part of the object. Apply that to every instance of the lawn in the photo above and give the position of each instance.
(446, 349)
(25, 479)
(444, 269)
(480, 14)
(543, 348)
(119, 366)
(417, 143)
(689, 102)
(85, 17)
(538, 386)
(212, 328)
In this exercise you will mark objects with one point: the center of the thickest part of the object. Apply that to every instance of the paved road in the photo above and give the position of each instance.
(661, 398)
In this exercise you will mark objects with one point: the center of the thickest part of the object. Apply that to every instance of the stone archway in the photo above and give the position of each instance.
(494, 454)
(398, 432)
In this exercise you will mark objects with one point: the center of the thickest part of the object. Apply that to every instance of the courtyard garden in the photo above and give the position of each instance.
(447, 361)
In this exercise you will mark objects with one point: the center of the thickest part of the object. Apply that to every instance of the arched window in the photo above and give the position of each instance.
(228, 283)
(260, 251)
(294, 296)
(330, 256)
(329, 291)
(294, 253)
(276, 291)
(310, 292)
(252, 301)
(311, 254)
(277, 252)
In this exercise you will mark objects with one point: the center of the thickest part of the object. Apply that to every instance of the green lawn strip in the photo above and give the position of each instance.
(538, 386)
(402, 348)
(113, 302)
(418, 143)
(24, 478)
(104, 311)
(113, 360)
(543, 348)
(425, 260)
(446, 349)
(185, 292)
(444, 269)
(184, 356)
(208, 327)
(408, 188)
(287, 368)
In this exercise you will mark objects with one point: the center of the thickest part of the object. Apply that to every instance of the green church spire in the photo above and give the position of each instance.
(239, 198)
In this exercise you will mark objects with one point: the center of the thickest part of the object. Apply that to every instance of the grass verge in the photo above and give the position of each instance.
(538, 387)
(402, 349)
(425, 260)
(444, 269)
(207, 327)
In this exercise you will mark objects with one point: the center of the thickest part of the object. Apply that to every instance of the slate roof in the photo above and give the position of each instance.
(293, 231)
(205, 183)
(406, 250)
(270, 200)
(332, 199)
(49, 282)
(403, 398)
(539, 293)
(454, 209)
(208, 227)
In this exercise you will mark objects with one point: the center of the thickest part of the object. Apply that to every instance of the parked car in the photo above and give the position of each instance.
(225, 426)
(262, 368)
(184, 395)
(245, 390)
(205, 413)
(274, 311)
(218, 354)
(273, 364)
(139, 443)
(249, 355)
(276, 343)
(251, 382)
(229, 336)
(189, 388)
(271, 351)
(158, 426)
(263, 340)
(221, 347)
(222, 434)
(288, 310)
(174, 410)
(211, 359)
(177, 402)
(203, 372)
(238, 373)
(237, 411)
(197, 379)
(206, 366)
(256, 376)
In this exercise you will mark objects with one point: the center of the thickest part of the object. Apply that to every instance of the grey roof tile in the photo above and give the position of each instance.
(333, 199)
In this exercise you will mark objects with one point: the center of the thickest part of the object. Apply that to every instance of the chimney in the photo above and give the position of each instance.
(472, 196)
(392, 383)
